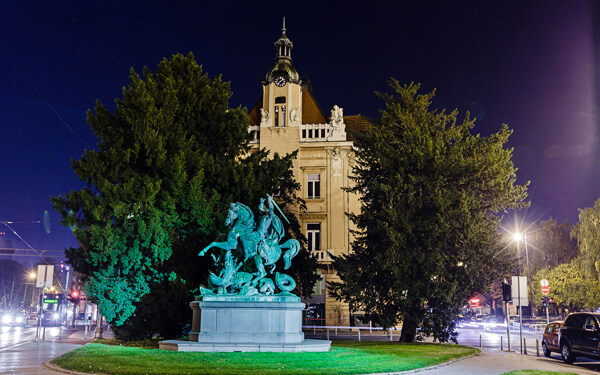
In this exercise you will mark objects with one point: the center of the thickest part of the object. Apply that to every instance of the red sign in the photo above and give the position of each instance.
(545, 289)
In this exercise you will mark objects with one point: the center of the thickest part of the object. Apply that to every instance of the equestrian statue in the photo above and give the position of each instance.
(251, 252)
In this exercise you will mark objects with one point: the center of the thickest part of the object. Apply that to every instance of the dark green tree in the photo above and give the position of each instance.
(428, 227)
(170, 158)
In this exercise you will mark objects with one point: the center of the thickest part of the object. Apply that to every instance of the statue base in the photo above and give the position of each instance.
(232, 323)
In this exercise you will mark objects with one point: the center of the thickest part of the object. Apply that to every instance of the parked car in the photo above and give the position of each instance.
(550, 338)
(579, 336)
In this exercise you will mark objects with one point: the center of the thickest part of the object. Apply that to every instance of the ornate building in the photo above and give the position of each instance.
(288, 118)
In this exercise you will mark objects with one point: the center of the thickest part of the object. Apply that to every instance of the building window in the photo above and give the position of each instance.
(276, 115)
(313, 235)
(282, 115)
(314, 186)
(280, 99)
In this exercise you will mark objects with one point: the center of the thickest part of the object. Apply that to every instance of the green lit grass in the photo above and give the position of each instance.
(538, 372)
(345, 357)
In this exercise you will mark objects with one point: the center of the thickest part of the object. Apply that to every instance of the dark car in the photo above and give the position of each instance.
(579, 336)
(550, 338)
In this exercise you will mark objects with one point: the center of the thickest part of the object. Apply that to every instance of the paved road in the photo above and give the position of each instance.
(21, 354)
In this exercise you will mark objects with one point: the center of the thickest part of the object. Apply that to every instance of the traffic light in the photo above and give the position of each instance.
(74, 296)
(506, 292)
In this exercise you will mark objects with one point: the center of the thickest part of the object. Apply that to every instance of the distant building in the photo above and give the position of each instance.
(288, 118)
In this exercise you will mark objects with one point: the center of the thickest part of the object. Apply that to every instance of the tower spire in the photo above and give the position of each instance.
(283, 58)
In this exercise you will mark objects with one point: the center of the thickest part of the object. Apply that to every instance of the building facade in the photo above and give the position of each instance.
(288, 118)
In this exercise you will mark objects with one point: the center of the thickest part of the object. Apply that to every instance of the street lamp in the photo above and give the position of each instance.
(523, 237)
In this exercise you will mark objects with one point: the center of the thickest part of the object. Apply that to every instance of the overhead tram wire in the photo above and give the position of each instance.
(6, 222)
(34, 88)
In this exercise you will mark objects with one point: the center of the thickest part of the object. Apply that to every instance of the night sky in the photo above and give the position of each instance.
(530, 64)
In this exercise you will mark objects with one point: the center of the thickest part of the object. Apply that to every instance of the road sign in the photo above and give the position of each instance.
(44, 276)
(519, 282)
(545, 289)
(543, 282)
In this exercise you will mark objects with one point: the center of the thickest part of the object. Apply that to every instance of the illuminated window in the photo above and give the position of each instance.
(314, 186)
(276, 115)
(282, 115)
(313, 235)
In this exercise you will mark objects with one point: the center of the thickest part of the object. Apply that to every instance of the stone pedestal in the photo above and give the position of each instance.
(246, 324)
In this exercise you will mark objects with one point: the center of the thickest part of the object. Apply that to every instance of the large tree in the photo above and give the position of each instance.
(550, 244)
(169, 160)
(428, 227)
(587, 233)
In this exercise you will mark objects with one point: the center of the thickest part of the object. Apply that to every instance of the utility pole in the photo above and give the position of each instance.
(98, 333)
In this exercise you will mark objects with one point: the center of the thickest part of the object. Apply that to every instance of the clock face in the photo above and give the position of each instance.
(280, 81)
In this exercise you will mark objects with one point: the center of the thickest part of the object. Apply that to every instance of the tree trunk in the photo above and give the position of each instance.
(409, 331)
(98, 332)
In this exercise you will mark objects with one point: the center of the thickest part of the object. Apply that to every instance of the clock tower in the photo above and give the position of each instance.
(287, 118)
(281, 111)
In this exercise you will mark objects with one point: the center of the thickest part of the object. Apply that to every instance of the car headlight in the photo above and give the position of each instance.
(55, 316)
(19, 319)
(6, 319)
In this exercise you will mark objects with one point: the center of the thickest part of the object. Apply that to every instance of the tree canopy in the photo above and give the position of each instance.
(427, 232)
(550, 244)
(169, 160)
(587, 233)
(569, 287)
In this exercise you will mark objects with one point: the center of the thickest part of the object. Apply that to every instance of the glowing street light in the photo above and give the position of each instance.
(518, 237)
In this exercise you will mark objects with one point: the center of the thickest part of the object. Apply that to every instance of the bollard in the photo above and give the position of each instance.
(391, 334)
(314, 330)
(86, 329)
(327, 334)
(359, 335)
(370, 328)
(501, 344)
(480, 342)
(336, 330)
(537, 347)
(524, 346)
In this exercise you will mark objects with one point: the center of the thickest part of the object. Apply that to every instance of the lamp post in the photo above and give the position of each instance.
(523, 237)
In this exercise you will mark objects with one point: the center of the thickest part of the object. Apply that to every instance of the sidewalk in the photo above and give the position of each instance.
(79, 336)
(488, 363)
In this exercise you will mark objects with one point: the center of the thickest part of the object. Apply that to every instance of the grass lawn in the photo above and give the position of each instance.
(538, 372)
(345, 357)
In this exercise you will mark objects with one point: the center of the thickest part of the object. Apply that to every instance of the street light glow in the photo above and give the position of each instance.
(517, 236)
(32, 275)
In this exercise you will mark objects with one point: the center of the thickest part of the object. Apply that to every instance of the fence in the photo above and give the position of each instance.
(469, 337)
(353, 332)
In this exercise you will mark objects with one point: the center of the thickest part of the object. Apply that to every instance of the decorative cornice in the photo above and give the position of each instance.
(314, 215)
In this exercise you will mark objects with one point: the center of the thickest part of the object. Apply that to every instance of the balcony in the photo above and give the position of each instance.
(324, 255)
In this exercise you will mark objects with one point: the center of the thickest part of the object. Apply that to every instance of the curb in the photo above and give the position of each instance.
(428, 367)
(56, 368)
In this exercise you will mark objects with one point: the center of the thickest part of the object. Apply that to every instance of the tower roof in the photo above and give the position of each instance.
(283, 59)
